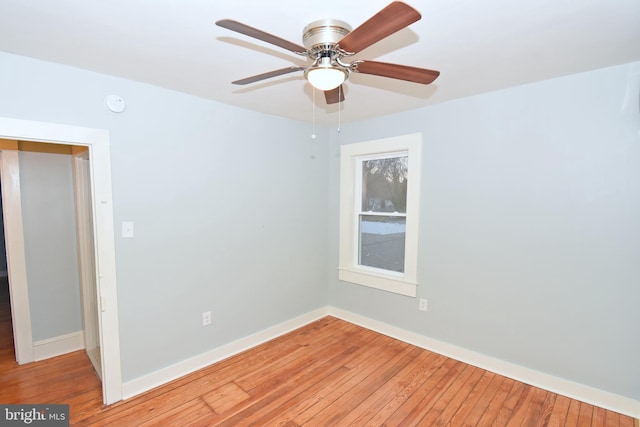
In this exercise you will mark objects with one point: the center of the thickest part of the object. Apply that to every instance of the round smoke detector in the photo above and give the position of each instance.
(325, 32)
(114, 103)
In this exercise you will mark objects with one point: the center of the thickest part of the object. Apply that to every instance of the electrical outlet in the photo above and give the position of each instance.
(423, 304)
(206, 318)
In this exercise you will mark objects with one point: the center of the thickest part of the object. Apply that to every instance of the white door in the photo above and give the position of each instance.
(86, 256)
(16, 263)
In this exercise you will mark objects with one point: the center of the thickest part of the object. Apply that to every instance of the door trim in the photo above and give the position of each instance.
(97, 141)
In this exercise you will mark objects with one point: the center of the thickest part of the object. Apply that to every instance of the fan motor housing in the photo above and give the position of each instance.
(325, 32)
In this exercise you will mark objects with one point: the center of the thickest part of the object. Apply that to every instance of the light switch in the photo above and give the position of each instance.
(127, 229)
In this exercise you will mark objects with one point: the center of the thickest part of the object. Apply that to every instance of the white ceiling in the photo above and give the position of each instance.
(478, 46)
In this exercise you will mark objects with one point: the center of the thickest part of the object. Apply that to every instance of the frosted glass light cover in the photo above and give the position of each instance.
(326, 78)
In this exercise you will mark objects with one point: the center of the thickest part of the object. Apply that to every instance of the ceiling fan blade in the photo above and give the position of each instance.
(268, 75)
(241, 28)
(392, 18)
(395, 71)
(334, 96)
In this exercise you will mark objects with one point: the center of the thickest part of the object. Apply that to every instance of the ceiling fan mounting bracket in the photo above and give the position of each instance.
(321, 39)
(325, 32)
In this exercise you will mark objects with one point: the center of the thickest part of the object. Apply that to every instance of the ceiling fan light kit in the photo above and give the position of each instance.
(328, 42)
(325, 76)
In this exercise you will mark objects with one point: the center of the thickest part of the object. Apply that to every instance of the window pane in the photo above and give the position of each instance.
(384, 185)
(382, 242)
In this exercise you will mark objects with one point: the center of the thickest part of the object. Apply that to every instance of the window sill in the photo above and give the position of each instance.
(398, 285)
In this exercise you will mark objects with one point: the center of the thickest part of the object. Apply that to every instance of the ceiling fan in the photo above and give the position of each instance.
(328, 42)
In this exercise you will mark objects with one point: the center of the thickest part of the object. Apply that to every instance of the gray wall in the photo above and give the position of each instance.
(529, 227)
(46, 188)
(230, 209)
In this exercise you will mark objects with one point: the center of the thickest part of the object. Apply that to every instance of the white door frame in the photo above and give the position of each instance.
(97, 140)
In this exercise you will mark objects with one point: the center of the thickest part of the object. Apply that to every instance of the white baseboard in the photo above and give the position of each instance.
(594, 396)
(57, 346)
(170, 373)
(603, 399)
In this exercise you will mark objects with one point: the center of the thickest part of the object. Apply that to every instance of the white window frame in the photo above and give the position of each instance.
(349, 269)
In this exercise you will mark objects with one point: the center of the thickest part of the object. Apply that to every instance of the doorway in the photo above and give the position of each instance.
(59, 249)
(99, 196)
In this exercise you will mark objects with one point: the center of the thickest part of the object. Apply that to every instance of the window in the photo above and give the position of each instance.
(379, 191)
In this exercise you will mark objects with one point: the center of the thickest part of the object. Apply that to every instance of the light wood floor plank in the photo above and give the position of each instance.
(572, 414)
(414, 382)
(358, 373)
(482, 398)
(187, 414)
(282, 415)
(535, 409)
(278, 401)
(547, 408)
(350, 399)
(585, 415)
(492, 410)
(383, 395)
(452, 399)
(423, 399)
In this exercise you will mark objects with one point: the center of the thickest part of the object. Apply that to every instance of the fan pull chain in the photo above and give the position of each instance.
(339, 106)
(313, 113)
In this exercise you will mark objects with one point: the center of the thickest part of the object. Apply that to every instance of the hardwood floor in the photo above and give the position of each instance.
(328, 373)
